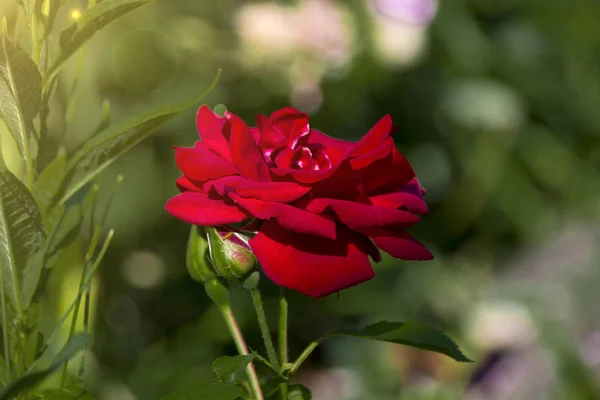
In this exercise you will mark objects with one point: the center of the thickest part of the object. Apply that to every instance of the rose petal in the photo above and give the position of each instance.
(398, 244)
(287, 115)
(409, 196)
(184, 183)
(304, 175)
(292, 123)
(270, 139)
(321, 161)
(200, 163)
(199, 209)
(356, 215)
(387, 174)
(284, 158)
(270, 191)
(376, 135)
(290, 217)
(336, 149)
(382, 150)
(210, 128)
(302, 158)
(313, 267)
(255, 134)
(343, 183)
(245, 152)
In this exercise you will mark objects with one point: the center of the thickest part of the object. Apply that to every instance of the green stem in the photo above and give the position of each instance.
(35, 44)
(264, 327)
(283, 328)
(86, 331)
(242, 348)
(282, 342)
(309, 349)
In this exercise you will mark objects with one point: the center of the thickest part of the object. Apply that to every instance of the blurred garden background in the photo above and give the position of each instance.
(498, 104)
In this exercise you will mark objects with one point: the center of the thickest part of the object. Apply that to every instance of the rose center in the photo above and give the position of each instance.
(302, 157)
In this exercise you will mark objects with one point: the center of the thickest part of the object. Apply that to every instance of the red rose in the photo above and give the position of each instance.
(320, 206)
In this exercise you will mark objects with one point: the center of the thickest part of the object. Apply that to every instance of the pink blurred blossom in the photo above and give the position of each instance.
(418, 12)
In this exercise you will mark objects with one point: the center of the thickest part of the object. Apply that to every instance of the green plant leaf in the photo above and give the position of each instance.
(33, 344)
(90, 22)
(21, 240)
(49, 182)
(267, 365)
(232, 369)
(105, 147)
(55, 394)
(20, 93)
(63, 223)
(3, 372)
(73, 346)
(206, 391)
(411, 334)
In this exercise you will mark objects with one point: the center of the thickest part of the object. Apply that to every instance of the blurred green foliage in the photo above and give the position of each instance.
(496, 103)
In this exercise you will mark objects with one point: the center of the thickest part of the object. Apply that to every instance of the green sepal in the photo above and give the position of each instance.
(198, 264)
(218, 292)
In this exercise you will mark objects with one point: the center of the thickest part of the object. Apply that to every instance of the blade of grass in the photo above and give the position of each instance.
(88, 257)
(88, 282)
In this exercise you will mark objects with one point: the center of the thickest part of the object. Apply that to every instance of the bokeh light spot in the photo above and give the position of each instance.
(75, 14)
(220, 109)
(122, 315)
(144, 269)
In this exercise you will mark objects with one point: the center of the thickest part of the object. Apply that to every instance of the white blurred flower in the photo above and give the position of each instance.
(315, 28)
(321, 28)
(398, 42)
(267, 30)
(502, 324)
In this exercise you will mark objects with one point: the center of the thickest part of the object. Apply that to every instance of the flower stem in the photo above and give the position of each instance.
(282, 342)
(283, 329)
(242, 348)
(264, 327)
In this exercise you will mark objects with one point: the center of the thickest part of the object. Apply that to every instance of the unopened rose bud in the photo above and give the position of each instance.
(198, 263)
(230, 254)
